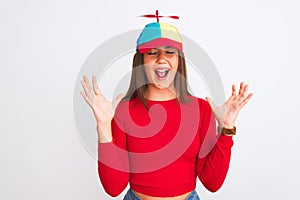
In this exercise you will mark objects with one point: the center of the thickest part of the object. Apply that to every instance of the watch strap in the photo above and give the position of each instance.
(227, 131)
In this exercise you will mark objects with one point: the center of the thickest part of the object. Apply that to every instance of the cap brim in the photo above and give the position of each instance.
(143, 48)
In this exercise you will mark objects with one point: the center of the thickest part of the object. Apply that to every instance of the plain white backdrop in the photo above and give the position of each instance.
(43, 45)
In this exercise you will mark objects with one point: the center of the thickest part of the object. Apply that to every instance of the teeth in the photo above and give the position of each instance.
(161, 72)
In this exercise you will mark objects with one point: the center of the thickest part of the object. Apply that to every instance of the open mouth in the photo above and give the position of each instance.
(161, 73)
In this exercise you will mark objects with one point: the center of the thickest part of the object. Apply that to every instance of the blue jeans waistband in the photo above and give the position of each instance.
(130, 195)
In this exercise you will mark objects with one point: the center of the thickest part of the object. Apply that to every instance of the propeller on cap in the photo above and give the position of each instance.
(158, 16)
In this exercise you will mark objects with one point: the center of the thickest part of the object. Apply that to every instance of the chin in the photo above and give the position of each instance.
(162, 85)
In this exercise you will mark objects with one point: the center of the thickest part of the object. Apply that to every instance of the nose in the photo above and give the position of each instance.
(161, 59)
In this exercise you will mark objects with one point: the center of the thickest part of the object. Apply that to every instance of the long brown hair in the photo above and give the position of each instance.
(138, 83)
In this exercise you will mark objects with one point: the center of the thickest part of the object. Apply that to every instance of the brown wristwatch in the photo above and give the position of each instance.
(227, 131)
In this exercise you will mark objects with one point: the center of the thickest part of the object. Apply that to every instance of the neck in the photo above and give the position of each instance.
(160, 94)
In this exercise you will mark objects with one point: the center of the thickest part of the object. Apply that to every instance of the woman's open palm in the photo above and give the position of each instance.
(103, 109)
(227, 114)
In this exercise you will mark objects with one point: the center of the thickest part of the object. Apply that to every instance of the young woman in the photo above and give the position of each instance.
(158, 137)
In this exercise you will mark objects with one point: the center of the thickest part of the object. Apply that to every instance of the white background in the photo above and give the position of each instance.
(43, 45)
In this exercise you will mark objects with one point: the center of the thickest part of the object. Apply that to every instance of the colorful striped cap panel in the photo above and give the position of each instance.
(159, 34)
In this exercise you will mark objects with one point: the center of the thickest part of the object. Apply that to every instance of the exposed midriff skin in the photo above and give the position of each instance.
(146, 197)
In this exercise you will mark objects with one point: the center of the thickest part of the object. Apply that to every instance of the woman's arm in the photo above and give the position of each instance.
(215, 152)
(113, 164)
(113, 161)
(214, 155)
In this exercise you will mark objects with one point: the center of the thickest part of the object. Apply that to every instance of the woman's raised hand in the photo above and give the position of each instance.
(226, 114)
(103, 110)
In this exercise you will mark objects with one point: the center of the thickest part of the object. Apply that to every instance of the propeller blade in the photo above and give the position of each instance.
(174, 17)
(148, 16)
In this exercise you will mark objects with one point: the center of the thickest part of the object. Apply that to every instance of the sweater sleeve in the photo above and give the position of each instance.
(113, 161)
(215, 151)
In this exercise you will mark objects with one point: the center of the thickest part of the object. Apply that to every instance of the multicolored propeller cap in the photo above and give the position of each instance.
(158, 34)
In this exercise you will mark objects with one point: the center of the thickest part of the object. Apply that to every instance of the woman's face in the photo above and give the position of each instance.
(161, 64)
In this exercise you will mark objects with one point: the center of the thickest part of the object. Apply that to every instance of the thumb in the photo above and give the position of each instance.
(210, 102)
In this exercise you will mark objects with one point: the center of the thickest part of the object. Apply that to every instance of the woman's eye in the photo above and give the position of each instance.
(170, 52)
(151, 53)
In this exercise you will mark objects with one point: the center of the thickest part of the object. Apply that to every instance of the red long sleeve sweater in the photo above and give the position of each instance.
(162, 151)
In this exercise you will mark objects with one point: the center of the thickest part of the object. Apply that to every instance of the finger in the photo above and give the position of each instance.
(86, 89)
(245, 90)
(86, 80)
(95, 87)
(233, 94)
(210, 102)
(241, 88)
(242, 93)
(87, 100)
(245, 101)
(233, 90)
